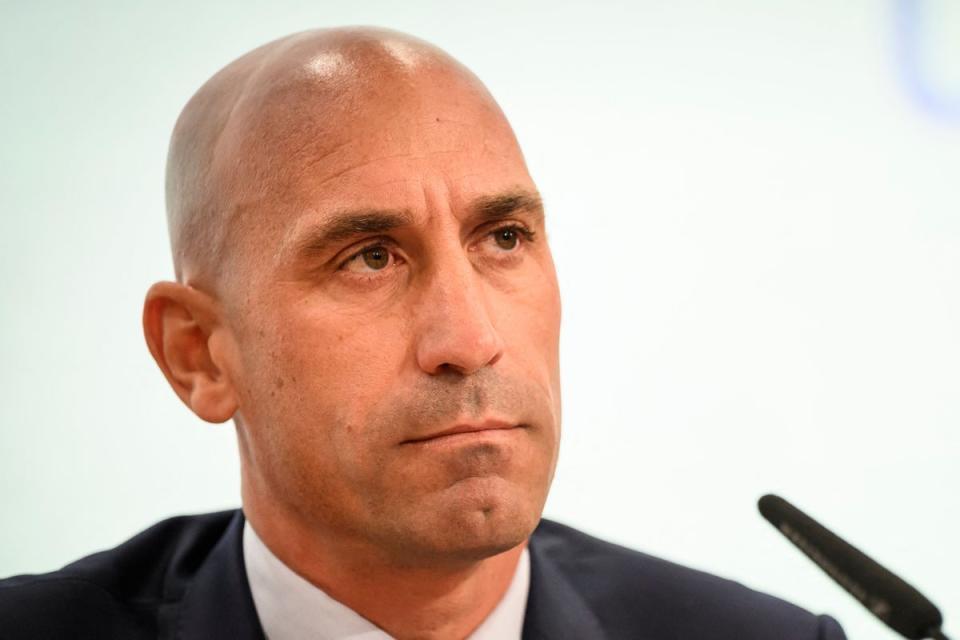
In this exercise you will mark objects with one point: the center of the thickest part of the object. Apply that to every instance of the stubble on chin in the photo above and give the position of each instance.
(490, 501)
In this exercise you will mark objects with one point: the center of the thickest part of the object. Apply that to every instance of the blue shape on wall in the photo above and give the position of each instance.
(911, 18)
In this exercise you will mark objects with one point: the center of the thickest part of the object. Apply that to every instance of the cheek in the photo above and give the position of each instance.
(313, 378)
(534, 339)
(530, 319)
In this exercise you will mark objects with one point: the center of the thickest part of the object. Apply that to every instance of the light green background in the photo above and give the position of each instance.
(756, 224)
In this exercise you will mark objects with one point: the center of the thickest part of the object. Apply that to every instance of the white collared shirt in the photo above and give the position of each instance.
(291, 608)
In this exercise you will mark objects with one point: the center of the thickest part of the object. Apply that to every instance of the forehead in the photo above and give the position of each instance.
(305, 125)
(433, 144)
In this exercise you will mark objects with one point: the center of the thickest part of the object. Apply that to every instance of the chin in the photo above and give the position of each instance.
(479, 524)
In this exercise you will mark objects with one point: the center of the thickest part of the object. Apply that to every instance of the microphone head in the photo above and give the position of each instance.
(896, 603)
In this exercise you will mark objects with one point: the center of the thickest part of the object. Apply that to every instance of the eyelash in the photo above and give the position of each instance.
(527, 235)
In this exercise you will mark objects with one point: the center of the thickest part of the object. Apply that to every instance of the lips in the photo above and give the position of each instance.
(465, 428)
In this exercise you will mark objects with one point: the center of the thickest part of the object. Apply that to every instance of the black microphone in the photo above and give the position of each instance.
(896, 603)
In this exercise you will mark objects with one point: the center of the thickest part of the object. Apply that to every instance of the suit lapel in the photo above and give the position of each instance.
(218, 603)
(555, 611)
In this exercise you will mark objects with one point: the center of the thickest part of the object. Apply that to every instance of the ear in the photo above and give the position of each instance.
(188, 340)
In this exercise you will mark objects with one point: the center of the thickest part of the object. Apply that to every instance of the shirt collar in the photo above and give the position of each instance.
(290, 607)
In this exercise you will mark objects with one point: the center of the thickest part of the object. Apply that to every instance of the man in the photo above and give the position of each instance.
(363, 284)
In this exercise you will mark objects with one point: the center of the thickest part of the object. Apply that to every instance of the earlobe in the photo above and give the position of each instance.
(182, 329)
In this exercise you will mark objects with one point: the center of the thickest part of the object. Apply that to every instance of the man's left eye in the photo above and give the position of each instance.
(507, 238)
(371, 259)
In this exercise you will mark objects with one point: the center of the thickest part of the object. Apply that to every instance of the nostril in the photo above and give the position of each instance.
(450, 369)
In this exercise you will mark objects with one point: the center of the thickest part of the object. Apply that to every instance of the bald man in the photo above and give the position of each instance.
(364, 287)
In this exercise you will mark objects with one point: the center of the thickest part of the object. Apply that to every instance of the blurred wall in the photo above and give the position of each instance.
(755, 214)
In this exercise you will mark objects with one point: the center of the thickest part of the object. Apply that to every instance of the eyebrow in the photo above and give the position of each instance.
(343, 225)
(498, 207)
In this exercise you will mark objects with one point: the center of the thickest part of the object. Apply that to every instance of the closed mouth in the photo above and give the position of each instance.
(463, 429)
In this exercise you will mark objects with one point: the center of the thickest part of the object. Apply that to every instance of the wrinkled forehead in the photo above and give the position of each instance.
(334, 127)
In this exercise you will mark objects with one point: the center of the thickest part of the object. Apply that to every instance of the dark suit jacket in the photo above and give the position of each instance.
(184, 578)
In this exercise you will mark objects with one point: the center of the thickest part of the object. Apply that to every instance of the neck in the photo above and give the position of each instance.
(407, 600)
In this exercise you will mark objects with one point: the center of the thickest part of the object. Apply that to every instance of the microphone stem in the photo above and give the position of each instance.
(936, 634)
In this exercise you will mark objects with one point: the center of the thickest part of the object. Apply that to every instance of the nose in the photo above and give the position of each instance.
(455, 331)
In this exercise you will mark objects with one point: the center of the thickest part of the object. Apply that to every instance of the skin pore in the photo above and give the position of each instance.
(365, 287)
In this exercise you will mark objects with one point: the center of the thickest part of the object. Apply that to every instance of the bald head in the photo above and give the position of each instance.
(262, 130)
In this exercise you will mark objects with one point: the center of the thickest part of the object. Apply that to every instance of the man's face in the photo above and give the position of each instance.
(395, 285)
